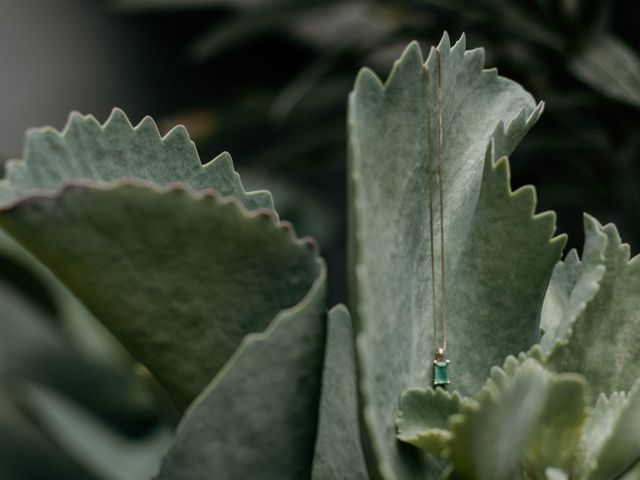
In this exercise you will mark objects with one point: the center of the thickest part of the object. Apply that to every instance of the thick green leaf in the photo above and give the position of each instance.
(87, 150)
(609, 66)
(338, 454)
(257, 418)
(180, 278)
(518, 425)
(423, 416)
(499, 254)
(604, 341)
(573, 285)
(619, 425)
(498, 289)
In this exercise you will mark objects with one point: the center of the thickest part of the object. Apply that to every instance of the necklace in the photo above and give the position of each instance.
(440, 363)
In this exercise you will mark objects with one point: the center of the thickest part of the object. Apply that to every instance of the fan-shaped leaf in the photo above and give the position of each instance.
(179, 278)
(87, 150)
(499, 255)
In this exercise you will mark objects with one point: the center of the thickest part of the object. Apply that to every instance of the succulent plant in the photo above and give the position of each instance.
(235, 364)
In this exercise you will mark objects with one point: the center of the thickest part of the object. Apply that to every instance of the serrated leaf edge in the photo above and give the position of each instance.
(626, 401)
(599, 228)
(372, 449)
(118, 114)
(175, 188)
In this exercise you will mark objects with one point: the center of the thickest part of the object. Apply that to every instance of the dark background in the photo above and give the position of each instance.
(268, 81)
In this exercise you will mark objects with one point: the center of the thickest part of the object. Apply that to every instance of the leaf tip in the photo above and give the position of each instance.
(367, 80)
(117, 115)
(339, 309)
(178, 134)
(535, 114)
(149, 126)
(559, 241)
(76, 121)
(223, 158)
(444, 46)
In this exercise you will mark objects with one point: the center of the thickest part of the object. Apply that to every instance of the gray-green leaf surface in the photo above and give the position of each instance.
(573, 285)
(517, 424)
(424, 415)
(603, 342)
(85, 149)
(180, 278)
(257, 419)
(499, 254)
(339, 454)
(619, 446)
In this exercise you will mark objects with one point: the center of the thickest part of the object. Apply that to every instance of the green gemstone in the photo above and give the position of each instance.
(440, 373)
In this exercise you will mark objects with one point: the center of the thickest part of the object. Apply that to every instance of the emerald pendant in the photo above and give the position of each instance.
(441, 373)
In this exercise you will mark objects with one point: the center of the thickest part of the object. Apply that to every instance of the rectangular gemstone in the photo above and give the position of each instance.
(441, 373)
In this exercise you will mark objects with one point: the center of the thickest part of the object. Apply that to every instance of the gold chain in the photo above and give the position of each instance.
(439, 350)
(443, 305)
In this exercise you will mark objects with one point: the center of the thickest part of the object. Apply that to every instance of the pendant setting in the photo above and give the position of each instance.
(440, 370)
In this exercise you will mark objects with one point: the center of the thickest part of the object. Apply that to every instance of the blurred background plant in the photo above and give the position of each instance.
(268, 81)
